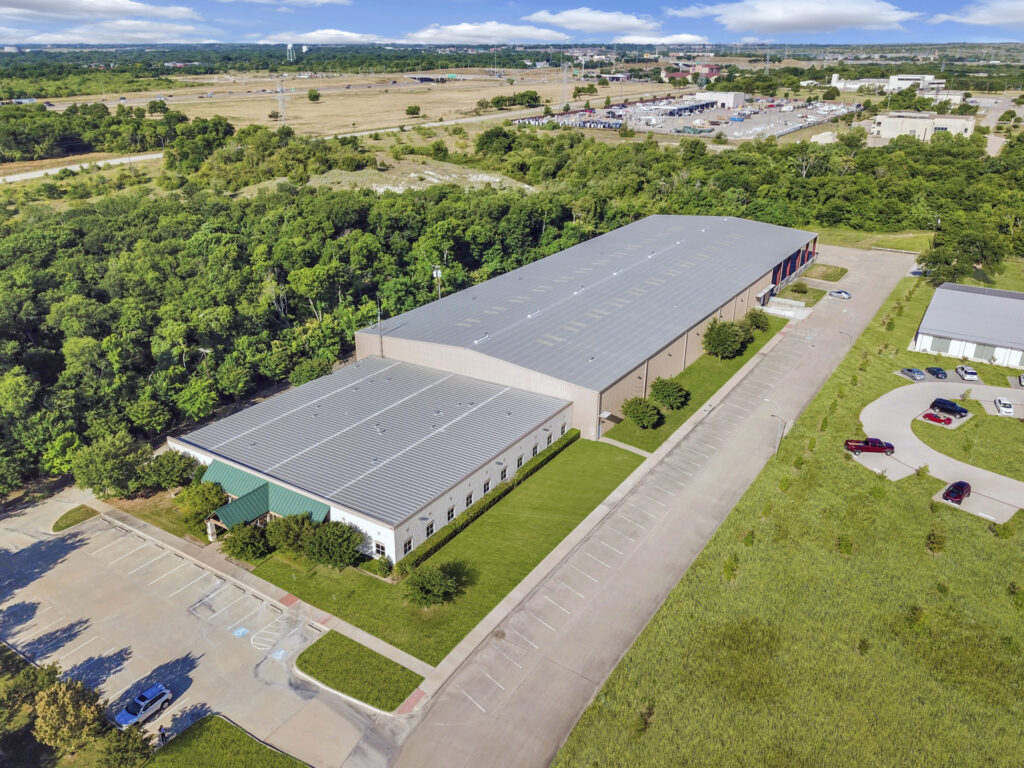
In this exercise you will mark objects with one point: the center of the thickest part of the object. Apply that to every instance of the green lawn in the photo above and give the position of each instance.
(702, 379)
(810, 297)
(910, 240)
(995, 443)
(214, 741)
(817, 628)
(158, 510)
(74, 516)
(1011, 279)
(496, 552)
(354, 669)
(826, 272)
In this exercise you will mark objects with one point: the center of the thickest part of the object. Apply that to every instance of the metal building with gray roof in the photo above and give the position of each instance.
(598, 322)
(983, 324)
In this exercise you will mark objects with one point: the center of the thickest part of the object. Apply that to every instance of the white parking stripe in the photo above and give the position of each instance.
(176, 705)
(578, 594)
(641, 527)
(139, 568)
(178, 568)
(564, 610)
(494, 681)
(78, 648)
(512, 661)
(513, 629)
(602, 562)
(119, 557)
(218, 589)
(472, 699)
(115, 541)
(583, 572)
(218, 613)
(36, 632)
(613, 549)
(203, 576)
(250, 613)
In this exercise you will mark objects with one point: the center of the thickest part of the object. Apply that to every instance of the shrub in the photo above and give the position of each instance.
(799, 287)
(167, 470)
(935, 541)
(731, 566)
(334, 543)
(642, 412)
(27, 684)
(412, 110)
(198, 502)
(669, 393)
(725, 339)
(310, 369)
(68, 716)
(382, 566)
(126, 749)
(758, 319)
(430, 585)
(289, 532)
(246, 542)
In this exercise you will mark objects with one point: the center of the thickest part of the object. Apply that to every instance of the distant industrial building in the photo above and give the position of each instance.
(595, 324)
(982, 324)
(892, 84)
(723, 99)
(920, 125)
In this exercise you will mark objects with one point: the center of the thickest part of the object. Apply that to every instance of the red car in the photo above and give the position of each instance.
(870, 445)
(957, 492)
(929, 416)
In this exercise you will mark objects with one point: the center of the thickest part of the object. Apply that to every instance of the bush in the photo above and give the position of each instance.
(725, 339)
(126, 749)
(799, 287)
(430, 585)
(310, 369)
(26, 685)
(167, 470)
(642, 412)
(246, 542)
(412, 110)
(68, 716)
(290, 532)
(935, 541)
(669, 393)
(335, 544)
(382, 566)
(758, 319)
(313, 95)
(198, 502)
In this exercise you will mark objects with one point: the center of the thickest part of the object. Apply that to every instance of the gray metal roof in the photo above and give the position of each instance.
(592, 313)
(380, 437)
(981, 315)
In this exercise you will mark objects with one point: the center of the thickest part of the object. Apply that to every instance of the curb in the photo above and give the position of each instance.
(350, 699)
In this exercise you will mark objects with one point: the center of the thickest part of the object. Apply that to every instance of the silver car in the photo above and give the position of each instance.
(1004, 407)
(966, 373)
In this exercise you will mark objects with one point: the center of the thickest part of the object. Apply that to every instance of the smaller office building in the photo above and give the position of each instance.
(980, 324)
(921, 125)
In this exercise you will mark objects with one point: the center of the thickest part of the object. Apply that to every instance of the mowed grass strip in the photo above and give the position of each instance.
(817, 628)
(214, 741)
(909, 240)
(701, 379)
(827, 272)
(809, 297)
(494, 553)
(74, 516)
(995, 443)
(356, 671)
(158, 510)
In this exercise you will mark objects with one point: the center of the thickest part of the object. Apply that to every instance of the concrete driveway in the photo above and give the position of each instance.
(993, 496)
(119, 611)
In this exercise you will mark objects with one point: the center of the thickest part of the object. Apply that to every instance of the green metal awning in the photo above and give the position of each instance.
(245, 508)
(256, 497)
(235, 482)
(286, 503)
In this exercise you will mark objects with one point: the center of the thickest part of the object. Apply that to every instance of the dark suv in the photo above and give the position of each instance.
(941, 405)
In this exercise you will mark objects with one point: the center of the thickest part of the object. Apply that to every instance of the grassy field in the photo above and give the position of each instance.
(817, 628)
(158, 510)
(74, 516)
(810, 297)
(354, 669)
(1010, 279)
(911, 240)
(995, 443)
(826, 272)
(214, 741)
(495, 553)
(702, 379)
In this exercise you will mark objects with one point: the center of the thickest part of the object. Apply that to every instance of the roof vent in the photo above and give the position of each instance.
(533, 314)
(437, 412)
(482, 338)
(508, 413)
(388, 379)
(582, 288)
(591, 359)
(617, 272)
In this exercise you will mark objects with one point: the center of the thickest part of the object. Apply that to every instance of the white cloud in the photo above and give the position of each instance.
(680, 39)
(90, 9)
(322, 37)
(485, 33)
(800, 15)
(125, 31)
(588, 20)
(751, 40)
(305, 3)
(995, 13)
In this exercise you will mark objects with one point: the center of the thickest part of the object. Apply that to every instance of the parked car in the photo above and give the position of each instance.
(935, 418)
(152, 700)
(957, 492)
(870, 445)
(966, 373)
(913, 373)
(938, 373)
(1004, 407)
(1020, 379)
(942, 405)
(840, 294)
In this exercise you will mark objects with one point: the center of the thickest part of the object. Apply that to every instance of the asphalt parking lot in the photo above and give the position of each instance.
(120, 611)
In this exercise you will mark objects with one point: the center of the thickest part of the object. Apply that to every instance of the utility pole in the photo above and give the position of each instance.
(280, 102)
(437, 279)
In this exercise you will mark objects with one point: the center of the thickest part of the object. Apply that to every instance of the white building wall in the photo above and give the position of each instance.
(1005, 356)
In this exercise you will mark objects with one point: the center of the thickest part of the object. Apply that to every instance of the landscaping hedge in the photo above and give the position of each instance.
(454, 528)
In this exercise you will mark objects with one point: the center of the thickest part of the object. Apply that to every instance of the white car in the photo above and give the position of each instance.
(839, 294)
(966, 373)
(1004, 407)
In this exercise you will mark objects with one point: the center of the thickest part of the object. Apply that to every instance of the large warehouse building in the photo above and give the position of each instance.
(981, 324)
(595, 324)
(450, 399)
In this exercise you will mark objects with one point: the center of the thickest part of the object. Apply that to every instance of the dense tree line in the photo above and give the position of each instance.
(146, 309)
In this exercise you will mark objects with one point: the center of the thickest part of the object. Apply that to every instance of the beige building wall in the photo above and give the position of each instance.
(633, 384)
(921, 125)
(668, 362)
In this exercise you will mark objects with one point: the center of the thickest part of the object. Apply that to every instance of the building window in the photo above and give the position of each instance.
(378, 549)
(430, 529)
(534, 449)
(504, 473)
(487, 486)
(562, 430)
(407, 547)
(469, 500)
(451, 514)
(549, 440)
(519, 462)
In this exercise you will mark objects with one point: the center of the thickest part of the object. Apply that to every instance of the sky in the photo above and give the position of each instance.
(36, 22)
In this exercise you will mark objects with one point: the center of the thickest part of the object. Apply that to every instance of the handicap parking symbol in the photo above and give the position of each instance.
(240, 632)
(279, 654)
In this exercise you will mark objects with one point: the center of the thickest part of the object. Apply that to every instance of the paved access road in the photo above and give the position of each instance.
(517, 696)
(119, 610)
(993, 496)
(126, 160)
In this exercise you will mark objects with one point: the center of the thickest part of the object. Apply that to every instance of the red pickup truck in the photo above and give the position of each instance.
(870, 445)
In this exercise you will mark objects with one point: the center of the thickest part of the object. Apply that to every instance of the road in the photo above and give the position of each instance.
(991, 109)
(126, 160)
(993, 496)
(518, 694)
